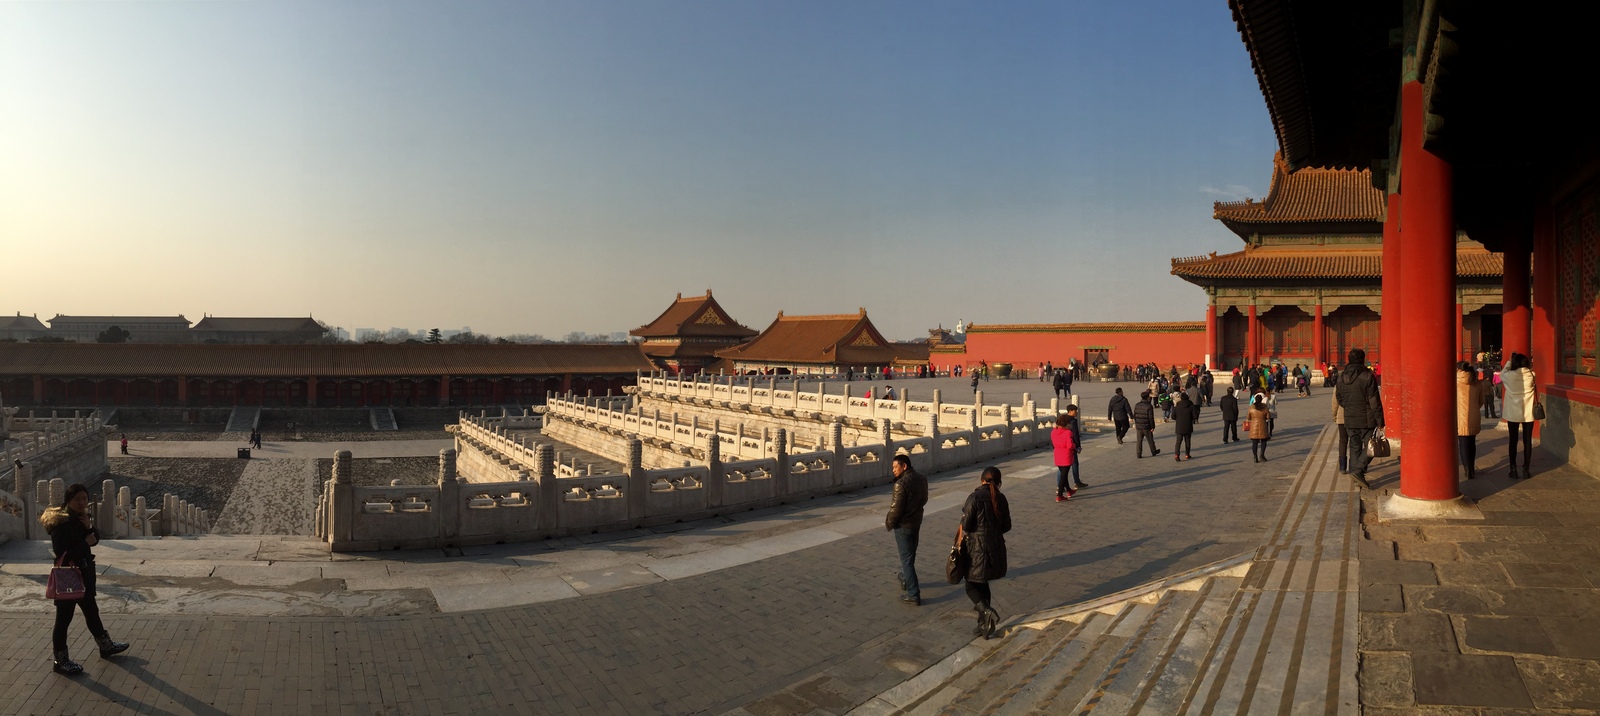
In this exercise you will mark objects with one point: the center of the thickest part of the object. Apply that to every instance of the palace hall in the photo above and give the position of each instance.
(1308, 285)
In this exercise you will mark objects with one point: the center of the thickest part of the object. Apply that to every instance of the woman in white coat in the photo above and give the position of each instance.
(1517, 409)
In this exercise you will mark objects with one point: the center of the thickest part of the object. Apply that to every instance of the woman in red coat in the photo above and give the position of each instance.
(1066, 453)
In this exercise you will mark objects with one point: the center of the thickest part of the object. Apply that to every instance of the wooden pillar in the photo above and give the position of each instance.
(38, 389)
(1516, 314)
(1428, 266)
(1390, 355)
(498, 391)
(311, 391)
(566, 383)
(183, 391)
(1319, 357)
(1211, 336)
(1542, 333)
(1461, 329)
(444, 389)
(1252, 351)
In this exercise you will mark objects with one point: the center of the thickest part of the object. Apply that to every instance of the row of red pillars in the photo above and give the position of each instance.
(1420, 333)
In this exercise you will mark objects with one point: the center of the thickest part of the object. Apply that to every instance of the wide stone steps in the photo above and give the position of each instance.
(383, 419)
(244, 419)
(1271, 631)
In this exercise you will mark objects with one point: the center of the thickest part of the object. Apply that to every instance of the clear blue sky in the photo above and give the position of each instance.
(542, 167)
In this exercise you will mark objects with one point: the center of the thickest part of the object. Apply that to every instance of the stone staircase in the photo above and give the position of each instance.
(383, 419)
(1272, 631)
(244, 419)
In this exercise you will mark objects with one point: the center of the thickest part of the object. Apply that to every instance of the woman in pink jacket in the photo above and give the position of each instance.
(1066, 456)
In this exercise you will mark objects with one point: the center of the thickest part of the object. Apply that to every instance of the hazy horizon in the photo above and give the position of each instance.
(552, 167)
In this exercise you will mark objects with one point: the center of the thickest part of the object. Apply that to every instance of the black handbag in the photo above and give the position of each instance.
(1378, 446)
(960, 560)
(1538, 409)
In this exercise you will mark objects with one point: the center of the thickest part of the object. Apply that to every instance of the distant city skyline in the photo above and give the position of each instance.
(551, 167)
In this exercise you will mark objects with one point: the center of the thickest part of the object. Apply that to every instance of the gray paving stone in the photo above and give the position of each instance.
(1382, 598)
(1382, 572)
(1386, 681)
(1406, 632)
(1468, 680)
(1513, 635)
(1562, 683)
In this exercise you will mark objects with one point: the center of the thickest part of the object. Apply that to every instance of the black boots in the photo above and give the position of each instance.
(988, 620)
(1344, 464)
(109, 648)
(65, 665)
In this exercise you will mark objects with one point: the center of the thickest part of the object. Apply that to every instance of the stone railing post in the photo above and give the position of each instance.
(780, 474)
(125, 508)
(549, 494)
(885, 435)
(1005, 415)
(342, 502)
(934, 409)
(141, 518)
(936, 460)
(23, 476)
(105, 519)
(836, 443)
(638, 486)
(822, 389)
(904, 398)
(715, 480)
(449, 506)
(977, 406)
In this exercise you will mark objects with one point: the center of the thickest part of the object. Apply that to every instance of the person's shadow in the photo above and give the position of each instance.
(135, 667)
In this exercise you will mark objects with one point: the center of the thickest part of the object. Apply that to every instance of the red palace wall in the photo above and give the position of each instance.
(1026, 350)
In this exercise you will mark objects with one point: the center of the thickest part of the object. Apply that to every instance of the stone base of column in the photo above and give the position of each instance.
(1396, 506)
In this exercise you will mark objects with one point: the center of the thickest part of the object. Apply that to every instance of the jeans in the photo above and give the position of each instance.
(1526, 430)
(905, 539)
(1230, 430)
(1467, 452)
(1182, 443)
(1122, 429)
(1258, 448)
(1359, 459)
(91, 611)
(1144, 436)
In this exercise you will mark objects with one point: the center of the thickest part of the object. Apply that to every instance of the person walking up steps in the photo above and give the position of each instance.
(985, 519)
(1119, 412)
(1229, 404)
(1066, 455)
(71, 537)
(905, 521)
(1144, 424)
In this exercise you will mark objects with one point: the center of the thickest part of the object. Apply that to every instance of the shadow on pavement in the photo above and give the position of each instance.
(135, 667)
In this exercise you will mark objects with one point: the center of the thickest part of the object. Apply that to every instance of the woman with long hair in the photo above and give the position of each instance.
(71, 536)
(1259, 432)
(985, 519)
(1517, 409)
(1469, 398)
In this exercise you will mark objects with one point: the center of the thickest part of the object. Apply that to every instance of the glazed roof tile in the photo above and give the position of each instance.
(324, 361)
(262, 325)
(1258, 264)
(61, 320)
(21, 323)
(694, 316)
(1312, 194)
(845, 339)
(1120, 327)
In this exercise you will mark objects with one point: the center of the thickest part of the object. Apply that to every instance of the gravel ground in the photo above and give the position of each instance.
(333, 436)
(136, 435)
(207, 482)
(378, 471)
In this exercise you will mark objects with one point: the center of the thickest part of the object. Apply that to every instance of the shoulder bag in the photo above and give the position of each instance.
(66, 582)
(960, 560)
(1378, 446)
(1538, 408)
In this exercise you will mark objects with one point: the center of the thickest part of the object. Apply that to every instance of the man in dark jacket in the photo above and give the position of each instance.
(905, 521)
(1119, 412)
(1184, 415)
(1144, 424)
(1357, 393)
(1230, 417)
(1207, 383)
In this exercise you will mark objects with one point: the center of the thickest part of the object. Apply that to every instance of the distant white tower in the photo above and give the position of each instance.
(961, 331)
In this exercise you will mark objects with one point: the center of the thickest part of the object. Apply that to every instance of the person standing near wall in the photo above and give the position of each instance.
(985, 518)
(1469, 421)
(1357, 393)
(71, 537)
(905, 521)
(1520, 399)
(1229, 404)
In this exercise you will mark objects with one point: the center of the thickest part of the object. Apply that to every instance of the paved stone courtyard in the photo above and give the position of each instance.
(707, 639)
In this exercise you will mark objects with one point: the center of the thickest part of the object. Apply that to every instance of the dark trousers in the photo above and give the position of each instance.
(1258, 448)
(1144, 436)
(1526, 431)
(1183, 443)
(1230, 430)
(1344, 449)
(1122, 428)
(1467, 453)
(1359, 458)
(1489, 410)
(905, 539)
(91, 611)
(978, 592)
(1064, 478)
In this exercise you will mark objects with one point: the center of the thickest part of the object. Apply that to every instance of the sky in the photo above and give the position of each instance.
(548, 167)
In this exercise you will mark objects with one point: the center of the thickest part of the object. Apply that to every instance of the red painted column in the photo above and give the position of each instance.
(38, 389)
(183, 390)
(498, 391)
(1461, 330)
(1211, 336)
(1252, 349)
(1318, 355)
(1428, 262)
(1390, 356)
(444, 390)
(1542, 345)
(1516, 315)
(311, 392)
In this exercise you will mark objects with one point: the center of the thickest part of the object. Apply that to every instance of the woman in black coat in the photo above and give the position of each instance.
(71, 536)
(984, 521)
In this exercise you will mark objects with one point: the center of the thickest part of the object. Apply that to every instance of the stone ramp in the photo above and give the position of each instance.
(244, 419)
(275, 496)
(1268, 632)
(383, 419)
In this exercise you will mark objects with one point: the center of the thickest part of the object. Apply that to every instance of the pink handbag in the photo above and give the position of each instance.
(66, 583)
